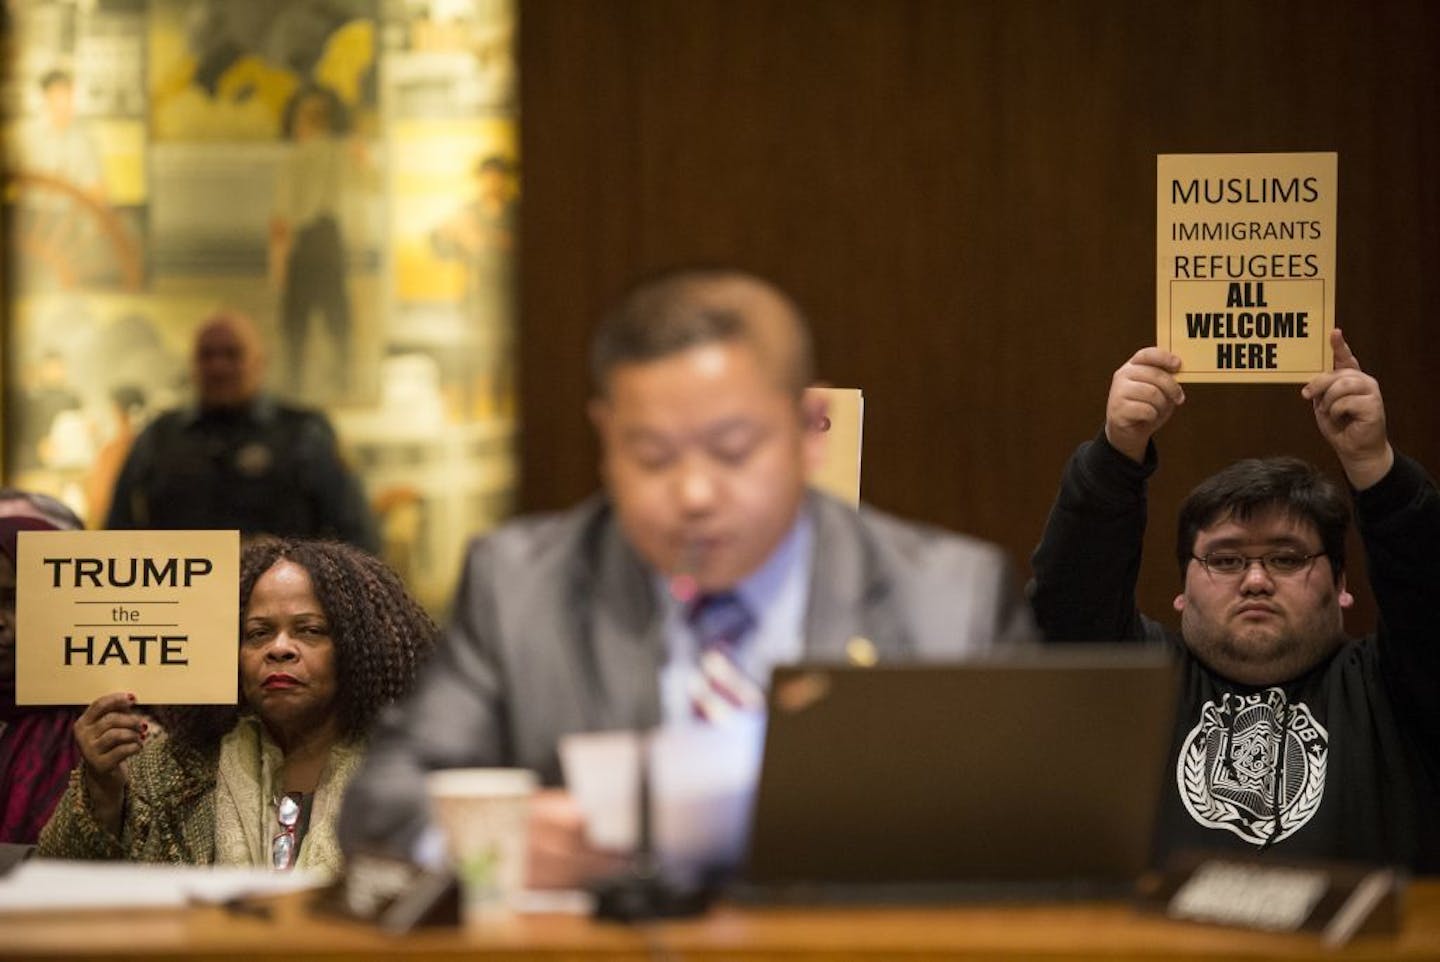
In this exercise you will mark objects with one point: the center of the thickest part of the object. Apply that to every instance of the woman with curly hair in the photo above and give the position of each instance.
(328, 637)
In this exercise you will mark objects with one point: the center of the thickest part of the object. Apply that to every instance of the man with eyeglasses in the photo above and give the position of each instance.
(1291, 737)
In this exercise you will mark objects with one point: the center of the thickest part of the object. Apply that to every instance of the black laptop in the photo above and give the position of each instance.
(1036, 773)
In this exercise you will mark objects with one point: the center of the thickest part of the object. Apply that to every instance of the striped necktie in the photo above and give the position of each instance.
(721, 687)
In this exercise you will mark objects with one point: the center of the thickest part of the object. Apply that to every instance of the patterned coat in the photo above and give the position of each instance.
(202, 806)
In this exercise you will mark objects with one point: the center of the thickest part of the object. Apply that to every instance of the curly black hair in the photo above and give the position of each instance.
(381, 634)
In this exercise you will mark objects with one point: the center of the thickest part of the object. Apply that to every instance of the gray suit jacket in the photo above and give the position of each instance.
(556, 629)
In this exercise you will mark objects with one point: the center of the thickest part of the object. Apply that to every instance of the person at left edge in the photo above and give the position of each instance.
(238, 457)
(36, 751)
(328, 637)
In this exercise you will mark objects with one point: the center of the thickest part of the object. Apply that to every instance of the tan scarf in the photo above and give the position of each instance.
(246, 786)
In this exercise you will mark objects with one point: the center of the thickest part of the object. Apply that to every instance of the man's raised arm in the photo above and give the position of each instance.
(1350, 414)
(1089, 557)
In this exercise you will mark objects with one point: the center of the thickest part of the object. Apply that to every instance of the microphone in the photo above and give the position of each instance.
(684, 584)
(642, 892)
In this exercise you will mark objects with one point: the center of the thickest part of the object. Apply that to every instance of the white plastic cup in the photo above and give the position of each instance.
(484, 813)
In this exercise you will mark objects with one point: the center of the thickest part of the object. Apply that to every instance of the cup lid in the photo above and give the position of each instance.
(481, 781)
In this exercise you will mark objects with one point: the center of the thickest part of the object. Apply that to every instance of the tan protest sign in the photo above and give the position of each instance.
(1245, 264)
(150, 612)
(839, 473)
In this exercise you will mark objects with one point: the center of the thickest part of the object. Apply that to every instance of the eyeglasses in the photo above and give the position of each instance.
(284, 844)
(1277, 564)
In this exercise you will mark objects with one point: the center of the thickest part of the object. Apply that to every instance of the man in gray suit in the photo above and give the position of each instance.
(607, 616)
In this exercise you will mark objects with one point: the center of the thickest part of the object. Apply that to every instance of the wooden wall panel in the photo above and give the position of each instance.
(961, 195)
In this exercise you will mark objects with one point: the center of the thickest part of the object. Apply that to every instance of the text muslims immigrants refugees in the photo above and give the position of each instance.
(1245, 264)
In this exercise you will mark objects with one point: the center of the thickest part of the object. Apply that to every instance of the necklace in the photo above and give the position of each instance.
(285, 843)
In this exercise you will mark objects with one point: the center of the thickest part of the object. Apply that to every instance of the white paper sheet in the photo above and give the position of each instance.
(703, 781)
(43, 884)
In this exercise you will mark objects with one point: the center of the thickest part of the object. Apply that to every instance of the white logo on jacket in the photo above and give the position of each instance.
(1247, 754)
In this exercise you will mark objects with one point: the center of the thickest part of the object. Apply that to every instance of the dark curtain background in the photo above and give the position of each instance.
(962, 196)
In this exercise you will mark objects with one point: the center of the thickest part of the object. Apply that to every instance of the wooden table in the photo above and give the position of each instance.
(1084, 931)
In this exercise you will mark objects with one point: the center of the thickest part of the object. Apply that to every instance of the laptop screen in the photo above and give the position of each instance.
(1039, 766)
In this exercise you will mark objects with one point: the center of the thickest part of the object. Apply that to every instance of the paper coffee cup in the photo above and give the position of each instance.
(483, 813)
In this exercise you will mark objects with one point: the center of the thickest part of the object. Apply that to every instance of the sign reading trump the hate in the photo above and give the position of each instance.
(155, 613)
(1245, 264)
